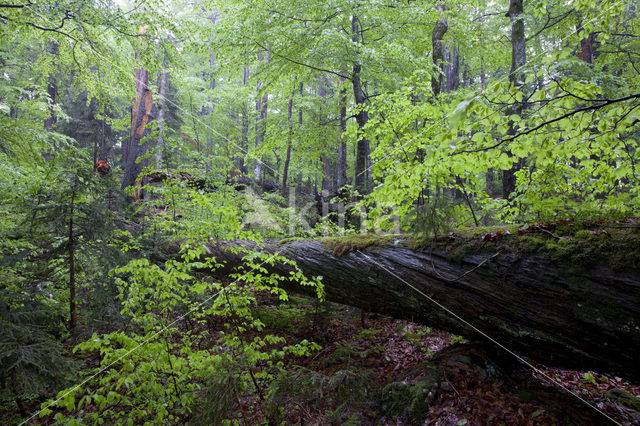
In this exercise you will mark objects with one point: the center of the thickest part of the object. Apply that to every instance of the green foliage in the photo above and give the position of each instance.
(160, 339)
(32, 360)
(345, 389)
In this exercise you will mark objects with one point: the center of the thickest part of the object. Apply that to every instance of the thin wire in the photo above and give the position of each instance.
(150, 338)
(476, 329)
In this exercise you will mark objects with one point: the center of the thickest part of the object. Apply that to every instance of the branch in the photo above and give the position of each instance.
(301, 63)
(15, 6)
(546, 123)
(293, 18)
(550, 24)
(625, 35)
(487, 14)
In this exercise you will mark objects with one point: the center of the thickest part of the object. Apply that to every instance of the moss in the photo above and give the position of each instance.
(290, 239)
(619, 248)
(625, 398)
(343, 245)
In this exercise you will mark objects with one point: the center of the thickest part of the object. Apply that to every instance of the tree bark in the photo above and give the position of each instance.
(72, 269)
(287, 160)
(328, 163)
(362, 117)
(52, 91)
(300, 121)
(142, 112)
(162, 92)
(439, 31)
(241, 160)
(518, 60)
(261, 107)
(561, 314)
(341, 170)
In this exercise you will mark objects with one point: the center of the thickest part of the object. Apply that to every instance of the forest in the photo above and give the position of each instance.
(374, 212)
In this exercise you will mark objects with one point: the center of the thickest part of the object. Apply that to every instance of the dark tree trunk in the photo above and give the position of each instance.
(518, 60)
(341, 170)
(587, 49)
(439, 31)
(328, 163)
(241, 160)
(52, 91)
(287, 160)
(261, 107)
(452, 69)
(558, 313)
(102, 154)
(299, 187)
(362, 117)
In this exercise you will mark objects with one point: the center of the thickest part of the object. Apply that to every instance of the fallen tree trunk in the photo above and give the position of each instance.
(548, 308)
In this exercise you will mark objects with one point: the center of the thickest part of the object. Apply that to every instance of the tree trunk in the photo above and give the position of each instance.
(439, 31)
(241, 160)
(52, 91)
(555, 312)
(299, 187)
(341, 170)
(162, 91)
(103, 145)
(261, 107)
(328, 164)
(142, 112)
(212, 84)
(518, 60)
(362, 117)
(287, 160)
(72, 269)
(451, 69)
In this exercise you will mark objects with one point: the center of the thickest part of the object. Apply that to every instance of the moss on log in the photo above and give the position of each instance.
(573, 304)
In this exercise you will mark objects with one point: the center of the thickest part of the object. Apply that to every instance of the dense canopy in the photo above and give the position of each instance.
(136, 133)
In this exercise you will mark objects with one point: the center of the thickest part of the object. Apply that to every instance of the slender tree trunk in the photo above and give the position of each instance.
(52, 91)
(299, 187)
(518, 60)
(241, 160)
(285, 171)
(95, 150)
(327, 164)
(212, 83)
(341, 170)
(362, 117)
(452, 69)
(103, 145)
(261, 107)
(72, 269)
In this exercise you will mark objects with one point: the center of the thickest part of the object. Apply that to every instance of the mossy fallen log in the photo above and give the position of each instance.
(572, 302)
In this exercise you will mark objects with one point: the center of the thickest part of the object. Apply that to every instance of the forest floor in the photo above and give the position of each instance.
(381, 350)
(366, 358)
